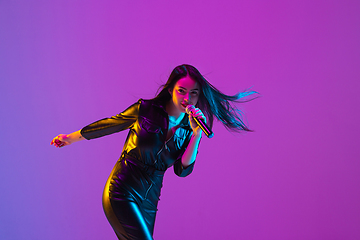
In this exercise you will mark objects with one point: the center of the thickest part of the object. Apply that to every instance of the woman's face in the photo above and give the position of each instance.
(186, 91)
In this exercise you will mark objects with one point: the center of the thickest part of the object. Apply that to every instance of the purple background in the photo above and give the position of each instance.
(65, 64)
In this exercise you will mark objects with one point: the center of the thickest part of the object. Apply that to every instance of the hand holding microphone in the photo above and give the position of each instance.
(189, 108)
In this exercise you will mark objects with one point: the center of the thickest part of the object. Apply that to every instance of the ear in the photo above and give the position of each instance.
(170, 91)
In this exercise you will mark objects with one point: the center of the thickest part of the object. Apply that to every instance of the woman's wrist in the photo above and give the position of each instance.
(197, 136)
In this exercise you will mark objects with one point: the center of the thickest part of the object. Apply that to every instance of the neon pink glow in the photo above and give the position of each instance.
(65, 64)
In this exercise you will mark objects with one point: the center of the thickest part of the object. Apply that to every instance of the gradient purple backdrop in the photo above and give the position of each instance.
(65, 64)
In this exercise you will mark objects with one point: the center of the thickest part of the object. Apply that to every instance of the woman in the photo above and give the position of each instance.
(161, 135)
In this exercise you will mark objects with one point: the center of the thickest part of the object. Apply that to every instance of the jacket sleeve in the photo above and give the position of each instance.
(117, 123)
(179, 169)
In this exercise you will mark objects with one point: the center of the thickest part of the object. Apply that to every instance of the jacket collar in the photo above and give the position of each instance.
(184, 122)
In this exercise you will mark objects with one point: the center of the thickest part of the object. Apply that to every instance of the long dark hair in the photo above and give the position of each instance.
(211, 101)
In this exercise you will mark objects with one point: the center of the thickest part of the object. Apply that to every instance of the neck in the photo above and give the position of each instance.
(175, 115)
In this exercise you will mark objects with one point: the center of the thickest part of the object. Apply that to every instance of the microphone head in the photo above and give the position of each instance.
(189, 108)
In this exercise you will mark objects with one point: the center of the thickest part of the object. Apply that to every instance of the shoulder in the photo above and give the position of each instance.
(153, 111)
(151, 103)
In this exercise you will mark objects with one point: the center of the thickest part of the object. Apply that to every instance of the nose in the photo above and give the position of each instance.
(187, 97)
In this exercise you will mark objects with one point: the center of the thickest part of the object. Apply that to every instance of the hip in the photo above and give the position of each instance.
(133, 181)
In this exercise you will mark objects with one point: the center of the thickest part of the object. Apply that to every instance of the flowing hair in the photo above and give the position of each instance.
(211, 101)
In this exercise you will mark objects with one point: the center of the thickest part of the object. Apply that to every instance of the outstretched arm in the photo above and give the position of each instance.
(66, 139)
(106, 126)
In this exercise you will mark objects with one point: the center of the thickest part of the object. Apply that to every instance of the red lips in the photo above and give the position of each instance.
(185, 104)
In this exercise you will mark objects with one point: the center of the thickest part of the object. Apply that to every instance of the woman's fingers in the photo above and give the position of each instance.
(60, 143)
(196, 112)
(57, 142)
(53, 141)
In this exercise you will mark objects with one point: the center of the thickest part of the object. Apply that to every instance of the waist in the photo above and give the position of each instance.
(150, 170)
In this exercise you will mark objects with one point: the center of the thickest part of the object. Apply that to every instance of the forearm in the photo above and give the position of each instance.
(74, 137)
(190, 153)
(66, 139)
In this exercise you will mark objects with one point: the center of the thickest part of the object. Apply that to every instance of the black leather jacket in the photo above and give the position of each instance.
(146, 142)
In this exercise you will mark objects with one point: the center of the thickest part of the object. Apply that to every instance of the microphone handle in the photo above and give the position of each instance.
(200, 122)
(204, 127)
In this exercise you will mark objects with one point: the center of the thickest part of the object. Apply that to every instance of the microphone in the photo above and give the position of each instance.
(200, 122)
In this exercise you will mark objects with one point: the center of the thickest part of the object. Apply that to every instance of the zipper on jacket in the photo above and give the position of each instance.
(162, 148)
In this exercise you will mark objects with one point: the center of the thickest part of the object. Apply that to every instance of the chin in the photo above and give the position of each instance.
(182, 109)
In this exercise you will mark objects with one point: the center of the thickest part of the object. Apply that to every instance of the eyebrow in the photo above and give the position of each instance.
(190, 90)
